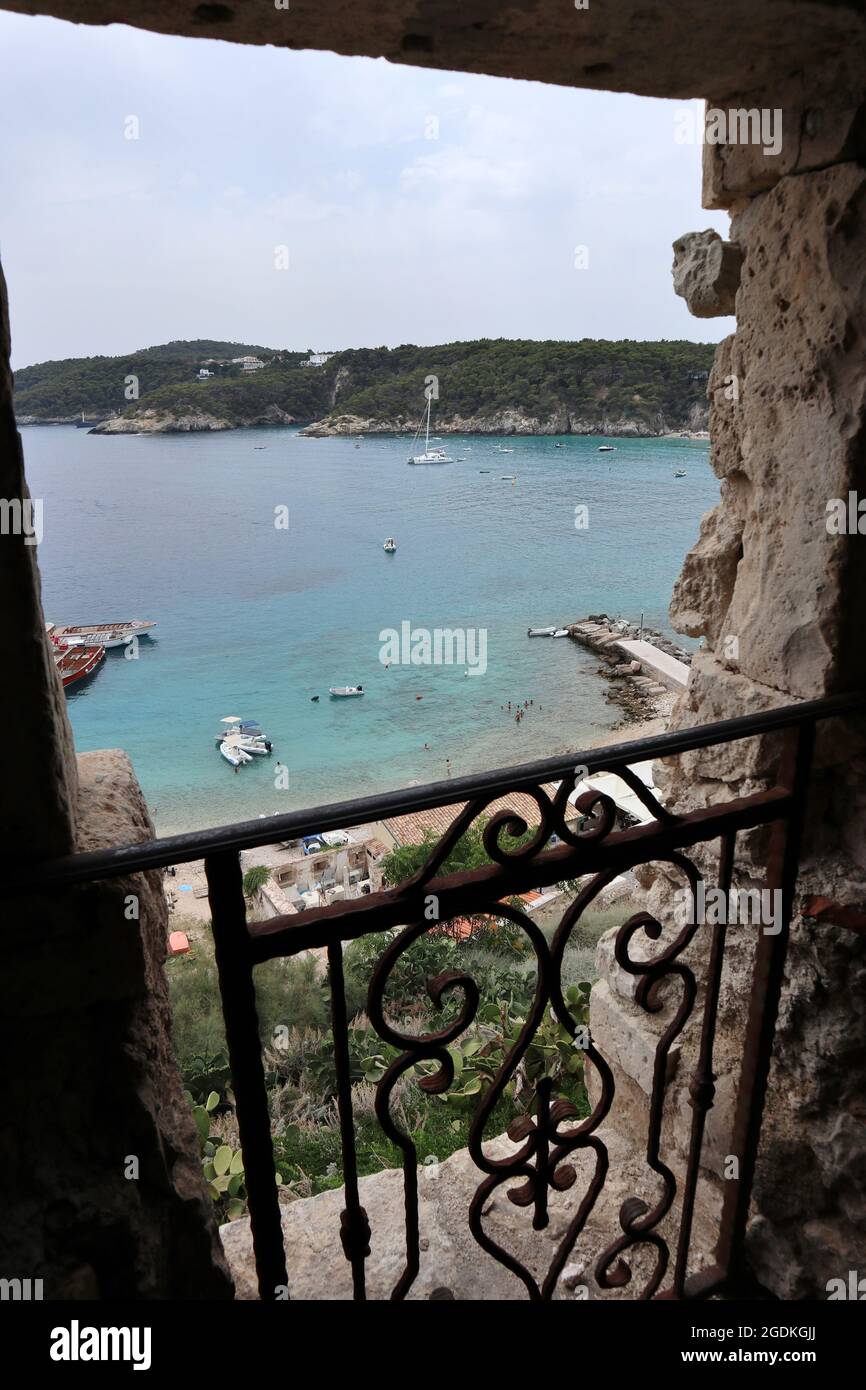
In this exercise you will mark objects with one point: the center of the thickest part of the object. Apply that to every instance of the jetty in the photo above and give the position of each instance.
(653, 669)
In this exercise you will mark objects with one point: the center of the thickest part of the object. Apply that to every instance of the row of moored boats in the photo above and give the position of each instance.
(79, 649)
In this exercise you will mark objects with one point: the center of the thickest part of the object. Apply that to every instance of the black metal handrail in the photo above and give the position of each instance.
(251, 834)
(592, 854)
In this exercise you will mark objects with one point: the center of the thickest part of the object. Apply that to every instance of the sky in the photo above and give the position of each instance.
(158, 188)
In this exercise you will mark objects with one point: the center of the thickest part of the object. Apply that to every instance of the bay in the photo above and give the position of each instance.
(253, 620)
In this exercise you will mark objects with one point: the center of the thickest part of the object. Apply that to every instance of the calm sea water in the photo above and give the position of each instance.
(254, 620)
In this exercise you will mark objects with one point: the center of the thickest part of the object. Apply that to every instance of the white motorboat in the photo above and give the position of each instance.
(259, 747)
(540, 631)
(234, 755)
(429, 455)
(679, 472)
(607, 448)
(561, 632)
(245, 734)
(344, 692)
(390, 546)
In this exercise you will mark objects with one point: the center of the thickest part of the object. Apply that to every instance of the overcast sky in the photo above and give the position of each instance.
(415, 206)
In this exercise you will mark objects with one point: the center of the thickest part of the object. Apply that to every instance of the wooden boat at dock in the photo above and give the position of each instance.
(77, 662)
(99, 634)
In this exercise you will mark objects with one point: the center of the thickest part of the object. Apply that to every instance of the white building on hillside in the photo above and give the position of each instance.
(318, 359)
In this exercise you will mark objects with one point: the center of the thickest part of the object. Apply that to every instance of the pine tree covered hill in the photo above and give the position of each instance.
(656, 384)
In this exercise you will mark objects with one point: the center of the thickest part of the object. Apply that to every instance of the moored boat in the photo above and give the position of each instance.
(343, 692)
(429, 455)
(540, 631)
(75, 663)
(233, 755)
(245, 734)
(99, 634)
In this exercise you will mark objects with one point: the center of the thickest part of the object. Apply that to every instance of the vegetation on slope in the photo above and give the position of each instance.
(654, 383)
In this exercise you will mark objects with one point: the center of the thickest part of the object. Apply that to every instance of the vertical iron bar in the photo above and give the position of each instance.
(355, 1233)
(228, 919)
(783, 859)
(702, 1087)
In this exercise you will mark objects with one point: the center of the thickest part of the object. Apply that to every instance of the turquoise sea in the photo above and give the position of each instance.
(253, 620)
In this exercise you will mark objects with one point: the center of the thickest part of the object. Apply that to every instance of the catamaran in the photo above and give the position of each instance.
(429, 455)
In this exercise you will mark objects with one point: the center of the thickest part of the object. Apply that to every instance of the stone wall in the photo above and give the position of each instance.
(103, 1183)
(779, 602)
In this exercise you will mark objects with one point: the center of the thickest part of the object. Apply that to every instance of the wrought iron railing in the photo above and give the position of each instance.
(594, 853)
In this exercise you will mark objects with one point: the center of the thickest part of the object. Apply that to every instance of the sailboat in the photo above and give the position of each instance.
(429, 455)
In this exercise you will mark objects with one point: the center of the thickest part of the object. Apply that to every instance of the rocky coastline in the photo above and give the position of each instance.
(512, 422)
(191, 421)
(500, 423)
(641, 696)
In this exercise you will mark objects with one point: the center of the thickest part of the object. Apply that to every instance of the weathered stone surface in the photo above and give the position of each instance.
(665, 50)
(793, 435)
(450, 1256)
(625, 1039)
(814, 117)
(84, 1010)
(38, 789)
(706, 273)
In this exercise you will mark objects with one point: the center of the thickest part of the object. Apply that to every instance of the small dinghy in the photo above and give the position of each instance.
(540, 631)
(344, 692)
(234, 755)
(561, 632)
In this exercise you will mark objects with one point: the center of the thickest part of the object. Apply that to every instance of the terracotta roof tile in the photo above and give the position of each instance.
(410, 829)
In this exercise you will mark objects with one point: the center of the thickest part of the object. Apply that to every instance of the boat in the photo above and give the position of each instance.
(235, 756)
(108, 640)
(260, 747)
(607, 448)
(561, 632)
(429, 455)
(343, 692)
(99, 634)
(540, 631)
(75, 663)
(245, 734)
(559, 446)
(679, 472)
(390, 545)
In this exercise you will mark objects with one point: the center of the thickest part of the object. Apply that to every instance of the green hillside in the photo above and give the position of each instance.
(648, 382)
